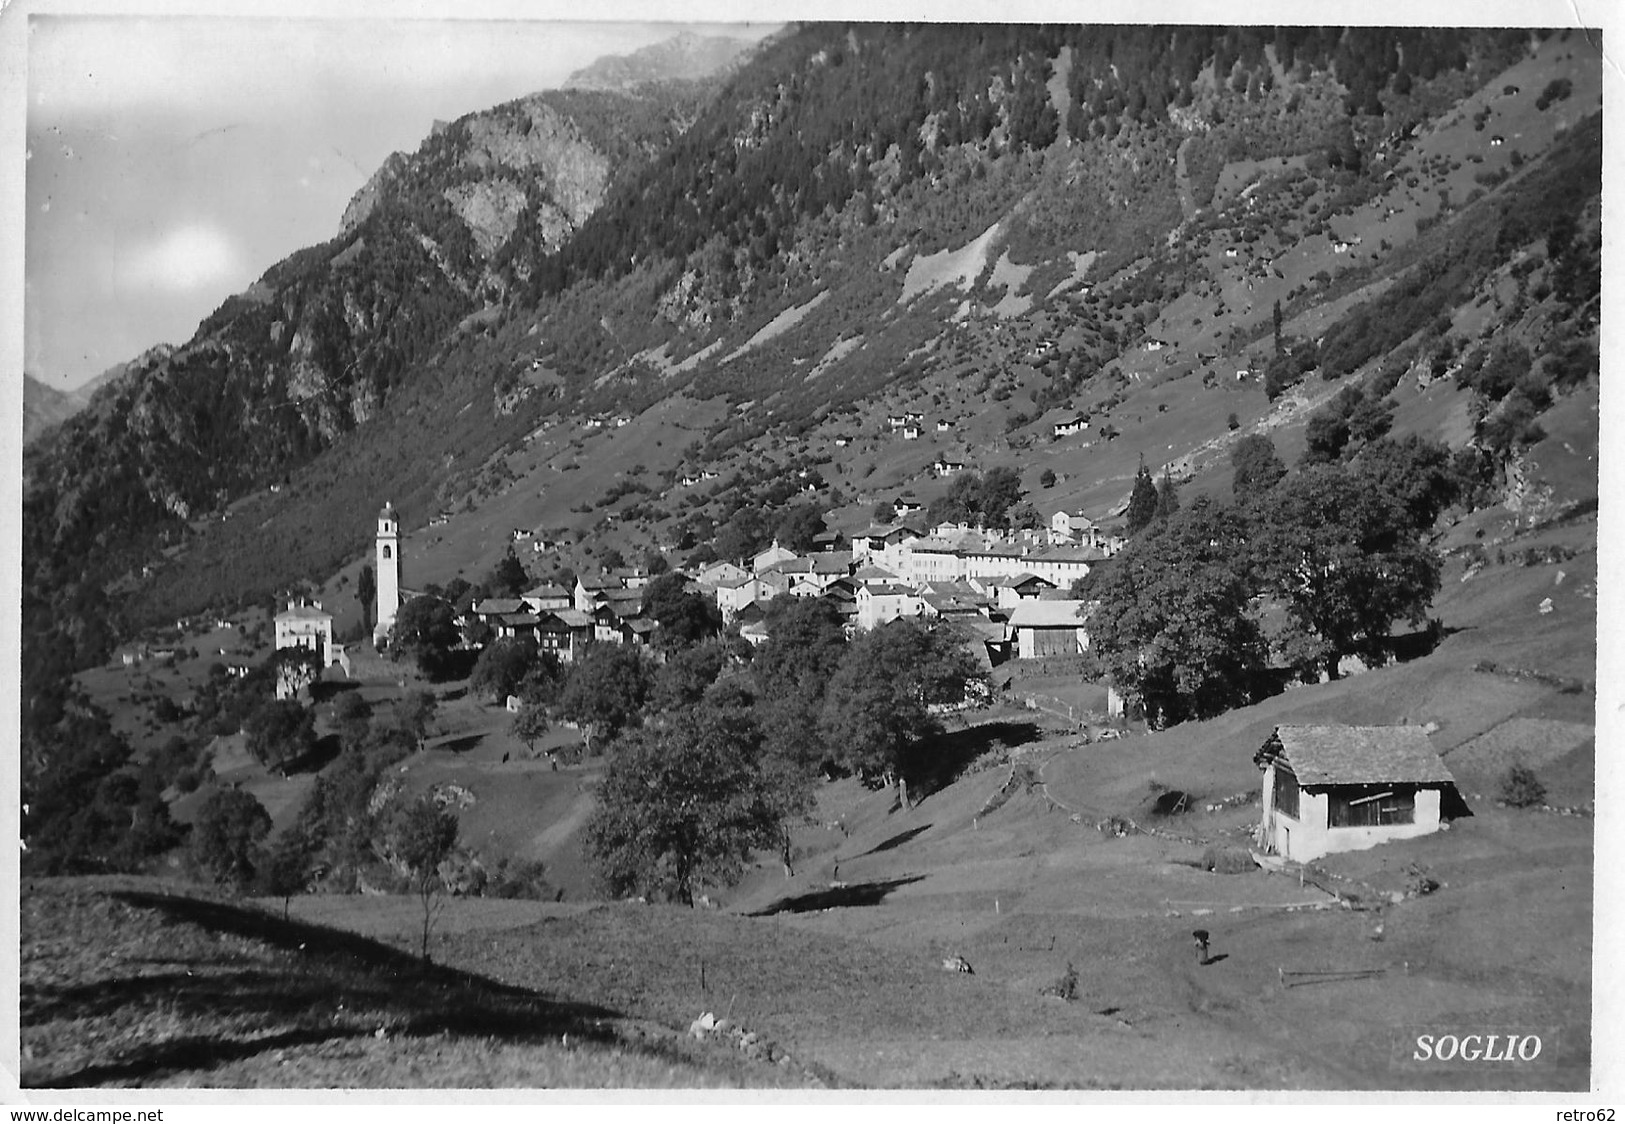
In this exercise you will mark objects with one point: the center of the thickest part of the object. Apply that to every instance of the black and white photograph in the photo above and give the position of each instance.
(787, 556)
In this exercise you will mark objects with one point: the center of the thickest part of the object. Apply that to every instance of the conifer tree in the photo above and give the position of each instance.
(1142, 503)
(1167, 496)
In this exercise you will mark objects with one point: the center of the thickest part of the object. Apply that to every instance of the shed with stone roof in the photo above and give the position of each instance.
(1347, 788)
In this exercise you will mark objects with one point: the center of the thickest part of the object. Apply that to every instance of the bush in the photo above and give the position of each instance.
(1228, 860)
(1520, 787)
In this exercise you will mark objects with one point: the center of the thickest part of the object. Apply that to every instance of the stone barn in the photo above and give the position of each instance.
(1347, 788)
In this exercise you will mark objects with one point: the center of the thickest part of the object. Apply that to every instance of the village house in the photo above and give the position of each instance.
(564, 633)
(592, 591)
(548, 597)
(947, 466)
(1023, 587)
(944, 425)
(1048, 628)
(1067, 427)
(911, 432)
(716, 573)
(1063, 565)
(874, 575)
(734, 593)
(766, 558)
(1072, 526)
(306, 625)
(878, 604)
(1346, 788)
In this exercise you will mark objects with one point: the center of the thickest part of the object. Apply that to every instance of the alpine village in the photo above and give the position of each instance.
(926, 557)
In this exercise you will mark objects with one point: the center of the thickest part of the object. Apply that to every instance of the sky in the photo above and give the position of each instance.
(171, 159)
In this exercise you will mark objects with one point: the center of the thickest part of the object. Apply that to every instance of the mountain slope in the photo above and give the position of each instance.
(45, 406)
(684, 56)
(860, 217)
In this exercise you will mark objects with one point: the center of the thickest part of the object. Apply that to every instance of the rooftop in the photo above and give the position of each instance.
(1356, 755)
(1047, 614)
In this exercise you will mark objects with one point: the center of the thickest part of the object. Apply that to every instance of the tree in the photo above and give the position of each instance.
(366, 592)
(1167, 495)
(420, 837)
(508, 577)
(412, 715)
(279, 732)
(226, 835)
(798, 525)
(353, 716)
(998, 492)
(293, 669)
(1420, 473)
(529, 725)
(1256, 466)
(688, 672)
(1344, 555)
(606, 690)
(683, 804)
(884, 512)
(1275, 317)
(1046, 479)
(1142, 502)
(501, 668)
(426, 631)
(1174, 626)
(1025, 517)
(806, 639)
(283, 869)
(877, 706)
(684, 615)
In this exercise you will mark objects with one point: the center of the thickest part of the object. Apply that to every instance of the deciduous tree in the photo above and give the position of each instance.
(606, 690)
(425, 630)
(1345, 556)
(683, 804)
(279, 732)
(1255, 465)
(226, 837)
(1173, 624)
(879, 702)
(420, 837)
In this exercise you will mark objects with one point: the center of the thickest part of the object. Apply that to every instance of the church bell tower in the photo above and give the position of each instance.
(387, 564)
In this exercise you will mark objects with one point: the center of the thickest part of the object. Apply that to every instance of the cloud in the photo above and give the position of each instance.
(184, 259)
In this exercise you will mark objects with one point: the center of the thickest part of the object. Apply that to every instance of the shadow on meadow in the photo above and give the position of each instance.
(196, 983)
(837, 897)
(935, 763)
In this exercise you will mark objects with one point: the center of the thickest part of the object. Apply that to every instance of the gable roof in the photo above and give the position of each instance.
(304, 613)
(1047, 614)
(1356, 755)
(500, 606)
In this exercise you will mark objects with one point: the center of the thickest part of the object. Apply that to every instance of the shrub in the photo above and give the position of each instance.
(1066, 987)
(1228, 860)
(1520, 787)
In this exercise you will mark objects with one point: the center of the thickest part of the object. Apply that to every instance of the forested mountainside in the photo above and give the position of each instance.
(312, 351)
(44, 406)
(855, 212)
